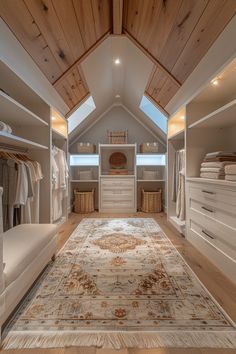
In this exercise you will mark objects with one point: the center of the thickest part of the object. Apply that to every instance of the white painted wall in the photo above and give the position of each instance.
(116, 119)
(15, 56)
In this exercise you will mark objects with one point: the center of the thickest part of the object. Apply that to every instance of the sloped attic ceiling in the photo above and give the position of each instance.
(106, 81)
(174, 34)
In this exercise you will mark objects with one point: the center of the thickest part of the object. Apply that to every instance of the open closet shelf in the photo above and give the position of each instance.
(221, 182)
(222, 117)
(6, 138)
(15, 113)
(57, 135)
(115, 176)
(177, 136)
(84, 181)
(150, 180)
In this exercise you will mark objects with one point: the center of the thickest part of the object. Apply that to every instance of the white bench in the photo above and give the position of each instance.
(25, 250)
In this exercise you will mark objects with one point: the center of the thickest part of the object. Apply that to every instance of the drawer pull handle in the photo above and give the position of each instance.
(207, 192)
(205, 208)
(208, 235)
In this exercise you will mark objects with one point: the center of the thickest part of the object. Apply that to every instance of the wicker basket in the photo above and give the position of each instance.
(86, 148)
(147, 148)
(84, 201)
(151, 201)
(117, 137)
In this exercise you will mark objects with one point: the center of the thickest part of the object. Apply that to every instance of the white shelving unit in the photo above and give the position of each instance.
(211, 203)
(29, 117)
(7, 138)
(175, 142)
(59, 138)
(117, 193)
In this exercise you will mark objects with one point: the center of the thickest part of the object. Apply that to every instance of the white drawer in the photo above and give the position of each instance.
(117, 182)
(118, 204)
(226, 264)
(213, 195)
(117, 191)
(221, 212)
(218, 234)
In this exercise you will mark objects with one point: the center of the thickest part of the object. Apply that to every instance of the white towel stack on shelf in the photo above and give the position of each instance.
(214, 164)
(5, 128)
(230, 172)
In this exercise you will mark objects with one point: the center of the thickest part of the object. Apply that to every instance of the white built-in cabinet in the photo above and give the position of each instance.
(117, 193)
(126, 188)
(210, 125)
(30, 118)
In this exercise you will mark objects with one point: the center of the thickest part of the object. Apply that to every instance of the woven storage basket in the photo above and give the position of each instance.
(117, 137)
(84, 201)
(86, 148)
(151, 201)
(146, 148)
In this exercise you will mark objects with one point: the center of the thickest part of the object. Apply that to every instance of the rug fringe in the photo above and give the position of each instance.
(118, 340)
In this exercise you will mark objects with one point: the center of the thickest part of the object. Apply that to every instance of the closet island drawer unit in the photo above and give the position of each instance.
(211, 223)
(117, 194)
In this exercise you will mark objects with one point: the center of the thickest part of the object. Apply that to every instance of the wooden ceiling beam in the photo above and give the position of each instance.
(117, 16)
(152, 58)
(81, 58)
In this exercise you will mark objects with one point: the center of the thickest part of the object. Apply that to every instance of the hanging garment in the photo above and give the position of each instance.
(180, 202)
(179, 164)
(19, 177)
(60, 174)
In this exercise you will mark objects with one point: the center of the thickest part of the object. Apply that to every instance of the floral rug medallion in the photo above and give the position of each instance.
(119, 283)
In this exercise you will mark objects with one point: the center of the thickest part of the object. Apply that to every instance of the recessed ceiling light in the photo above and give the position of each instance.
(117, 96)
(181, 117)
(53, 118)
(215, 82)
(117, 61)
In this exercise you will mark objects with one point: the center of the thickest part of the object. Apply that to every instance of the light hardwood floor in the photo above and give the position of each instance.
(220, 287)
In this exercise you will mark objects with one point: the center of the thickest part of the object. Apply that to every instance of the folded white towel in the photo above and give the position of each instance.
(217, 164)
(230, 178)
(5, 127)
(230, 169)
(221, 153)
(212, 169)
(212, 175)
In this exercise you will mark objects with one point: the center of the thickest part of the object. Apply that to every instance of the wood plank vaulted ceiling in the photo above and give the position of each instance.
(174, 34)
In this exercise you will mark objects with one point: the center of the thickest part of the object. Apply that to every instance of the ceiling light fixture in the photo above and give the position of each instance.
(181, 117)
(53, 118)
(215, 82)
(117, 61)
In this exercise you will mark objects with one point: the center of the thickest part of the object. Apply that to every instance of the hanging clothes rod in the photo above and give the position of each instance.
(12, 148)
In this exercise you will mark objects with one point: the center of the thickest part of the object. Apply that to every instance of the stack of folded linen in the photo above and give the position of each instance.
(5, 127)
(230, 172)
(213, 165)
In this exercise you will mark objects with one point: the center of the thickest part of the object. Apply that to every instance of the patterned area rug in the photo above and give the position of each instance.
(119, 283)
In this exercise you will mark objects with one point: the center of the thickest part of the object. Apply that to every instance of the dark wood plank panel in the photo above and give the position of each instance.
(166, 93)
(72, 88)
(186, 20)
(213, 21)
(66, 15)
(46, 18)
(117, 16)
(162, 26)
(22, 24)
(102, 13)
(85, 18)
(156, 83)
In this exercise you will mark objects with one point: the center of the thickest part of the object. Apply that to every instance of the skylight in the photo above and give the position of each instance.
(153, 113)
(81, 113)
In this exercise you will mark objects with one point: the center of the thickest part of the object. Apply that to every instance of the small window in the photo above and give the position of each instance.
(81, 113)
(153, 113)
